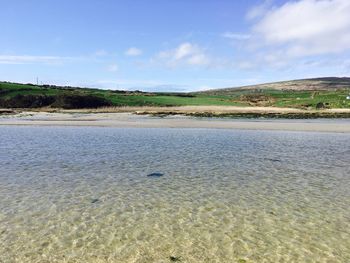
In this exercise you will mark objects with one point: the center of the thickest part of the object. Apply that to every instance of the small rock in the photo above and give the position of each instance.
(273, 160)
(45, 244)
(155, 175)
(321, 105)
(174, 259)
(95, 200)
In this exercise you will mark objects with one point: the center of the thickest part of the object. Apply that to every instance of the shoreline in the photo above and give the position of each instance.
(238, 112)
(130, 120)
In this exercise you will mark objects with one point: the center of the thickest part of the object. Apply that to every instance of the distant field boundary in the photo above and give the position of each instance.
(312, 94)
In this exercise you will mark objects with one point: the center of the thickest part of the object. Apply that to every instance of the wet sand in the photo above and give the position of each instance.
(129, 120)
(82, 194)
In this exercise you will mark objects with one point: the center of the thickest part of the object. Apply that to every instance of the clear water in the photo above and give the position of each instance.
(83, 195)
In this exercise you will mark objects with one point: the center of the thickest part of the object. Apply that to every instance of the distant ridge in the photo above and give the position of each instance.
(312, 84)
(317, 93)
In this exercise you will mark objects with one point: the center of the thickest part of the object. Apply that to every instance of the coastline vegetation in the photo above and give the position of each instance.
(14, 95)
(312, 102)
(252, 115)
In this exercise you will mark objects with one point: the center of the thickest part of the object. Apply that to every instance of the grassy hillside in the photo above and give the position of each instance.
(305, 93)
(17, 96)
(315, 84)
(328, 93)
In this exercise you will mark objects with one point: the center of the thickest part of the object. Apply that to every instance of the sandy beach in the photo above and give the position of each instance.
(198, 109)
(129, 120)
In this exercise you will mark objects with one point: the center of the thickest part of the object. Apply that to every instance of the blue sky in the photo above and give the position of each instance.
(172, 45)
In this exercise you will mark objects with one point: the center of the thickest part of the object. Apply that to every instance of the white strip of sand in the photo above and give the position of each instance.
(128, 120)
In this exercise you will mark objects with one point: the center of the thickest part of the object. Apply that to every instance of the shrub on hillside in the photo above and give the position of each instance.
(80, 102)
(61, 101)
(27, 101)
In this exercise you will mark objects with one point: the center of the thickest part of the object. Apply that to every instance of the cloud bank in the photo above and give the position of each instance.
(133, 52)
(306, 27)
(24, 59)
(185, 54)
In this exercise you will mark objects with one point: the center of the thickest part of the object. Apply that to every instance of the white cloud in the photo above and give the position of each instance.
(236, 36)
(24, 59)
(259, 10)
(198, 59)
(133, 52)
(113, 68)
(184, 54)
(185, 50)
(101, 53)
(306, 27)
(283, 37)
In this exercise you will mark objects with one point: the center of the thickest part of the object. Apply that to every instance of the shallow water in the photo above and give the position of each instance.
(83, 195)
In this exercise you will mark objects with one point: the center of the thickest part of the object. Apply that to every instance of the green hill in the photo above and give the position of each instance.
(315, 84)
(304, 93)
(307, 93)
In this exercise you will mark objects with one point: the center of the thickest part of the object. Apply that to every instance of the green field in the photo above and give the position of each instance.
(13, 95)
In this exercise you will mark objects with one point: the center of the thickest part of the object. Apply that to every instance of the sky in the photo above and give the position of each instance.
(172, 45)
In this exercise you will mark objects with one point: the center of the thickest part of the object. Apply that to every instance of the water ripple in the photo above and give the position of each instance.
(83, 195)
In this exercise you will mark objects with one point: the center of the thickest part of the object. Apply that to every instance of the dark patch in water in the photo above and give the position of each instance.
(155, 175)
(174, 259)
(273, 160)
(95, 200)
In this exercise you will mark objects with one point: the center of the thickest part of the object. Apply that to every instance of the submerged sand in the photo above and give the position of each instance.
(129, 120)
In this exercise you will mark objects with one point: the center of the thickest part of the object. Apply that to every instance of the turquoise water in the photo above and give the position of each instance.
(82, 195)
